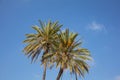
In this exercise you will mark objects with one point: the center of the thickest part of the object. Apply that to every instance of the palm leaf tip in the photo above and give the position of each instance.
(36, 28)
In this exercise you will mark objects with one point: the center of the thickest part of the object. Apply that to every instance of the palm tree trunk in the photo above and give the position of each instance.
(45, 63)
(59, 74)
(44, 73)
(76, 76)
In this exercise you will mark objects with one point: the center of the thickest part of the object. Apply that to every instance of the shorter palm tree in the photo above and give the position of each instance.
(69, 55)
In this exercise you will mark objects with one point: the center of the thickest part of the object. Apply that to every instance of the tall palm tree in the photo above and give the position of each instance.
(69, 55)
(41, 42)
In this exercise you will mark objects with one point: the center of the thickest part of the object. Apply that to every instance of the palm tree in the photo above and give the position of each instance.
(69, 55)
(41, 42)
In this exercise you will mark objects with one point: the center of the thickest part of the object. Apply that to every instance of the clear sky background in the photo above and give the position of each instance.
(97, 22)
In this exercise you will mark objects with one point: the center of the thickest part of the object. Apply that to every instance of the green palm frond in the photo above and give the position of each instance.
(36, 28)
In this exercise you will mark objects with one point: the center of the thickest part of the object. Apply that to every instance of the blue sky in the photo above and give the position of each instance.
(97, 22)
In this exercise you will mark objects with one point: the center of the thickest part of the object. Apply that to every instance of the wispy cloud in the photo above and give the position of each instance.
(117, 78)
(96, 26)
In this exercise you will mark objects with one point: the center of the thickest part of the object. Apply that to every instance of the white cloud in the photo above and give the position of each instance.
(117, 78)
(96, 26)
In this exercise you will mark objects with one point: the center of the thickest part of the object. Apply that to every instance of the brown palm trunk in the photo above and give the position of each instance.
(44, 73)
(60, 74)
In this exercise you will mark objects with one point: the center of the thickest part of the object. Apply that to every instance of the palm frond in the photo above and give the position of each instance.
(36, 28)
